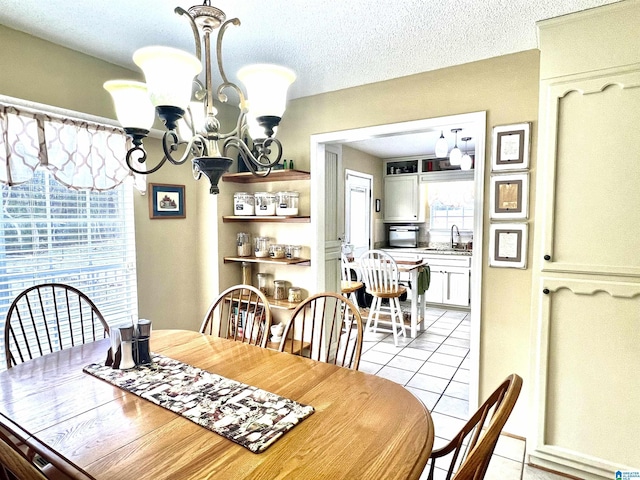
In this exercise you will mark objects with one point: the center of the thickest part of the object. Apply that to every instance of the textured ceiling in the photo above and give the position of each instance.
(330, 44)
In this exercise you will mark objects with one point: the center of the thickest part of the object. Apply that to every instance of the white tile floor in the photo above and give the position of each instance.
(435, 368)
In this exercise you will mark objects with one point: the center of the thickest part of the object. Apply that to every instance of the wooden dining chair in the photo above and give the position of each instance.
(49, 317)
(14, 464)
(381, 278)
(24, 458)
(326, 327)
(469, 452)
(240, 313)
(348, 285)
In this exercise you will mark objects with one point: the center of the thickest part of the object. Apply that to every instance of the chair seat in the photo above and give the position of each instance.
(350, 286)
(388, 293)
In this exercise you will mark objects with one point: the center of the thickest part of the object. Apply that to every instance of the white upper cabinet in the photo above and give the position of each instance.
(401, 199)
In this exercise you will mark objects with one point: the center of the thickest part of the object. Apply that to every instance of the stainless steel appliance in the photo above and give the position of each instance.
(405, 236)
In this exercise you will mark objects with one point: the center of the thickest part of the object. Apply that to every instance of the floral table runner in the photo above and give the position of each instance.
(246, 415)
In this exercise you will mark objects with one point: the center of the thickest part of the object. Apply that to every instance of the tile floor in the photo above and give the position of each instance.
(435, 368)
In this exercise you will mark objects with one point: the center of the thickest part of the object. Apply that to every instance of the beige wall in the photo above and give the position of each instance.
(507, 88)
(172, 255)
(176, 258)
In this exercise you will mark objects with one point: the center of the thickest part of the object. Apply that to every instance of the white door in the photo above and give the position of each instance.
(358, 211)
(333, 217)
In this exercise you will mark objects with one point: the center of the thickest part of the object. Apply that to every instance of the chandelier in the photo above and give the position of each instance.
(189, 113)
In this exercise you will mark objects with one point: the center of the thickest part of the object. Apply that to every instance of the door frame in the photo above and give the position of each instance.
(476, 120)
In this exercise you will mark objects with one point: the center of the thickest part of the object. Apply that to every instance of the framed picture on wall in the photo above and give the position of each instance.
(509, 196)
(510, 147)
(166, 201)
(508, 245)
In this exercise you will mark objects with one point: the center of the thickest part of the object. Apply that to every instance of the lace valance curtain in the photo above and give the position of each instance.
(453, 194)
(79, 154)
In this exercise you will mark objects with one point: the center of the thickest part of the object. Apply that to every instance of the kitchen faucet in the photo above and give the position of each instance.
(458, 233)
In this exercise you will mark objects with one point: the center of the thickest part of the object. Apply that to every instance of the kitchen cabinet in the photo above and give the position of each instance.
(450, 280)
(401, 198)
(450, 275)
(585, 269)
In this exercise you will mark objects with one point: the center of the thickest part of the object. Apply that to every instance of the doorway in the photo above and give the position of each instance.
(319, 264)
(357, 211)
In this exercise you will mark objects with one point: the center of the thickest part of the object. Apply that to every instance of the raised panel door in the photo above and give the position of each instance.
(401, 198)
(456, 288)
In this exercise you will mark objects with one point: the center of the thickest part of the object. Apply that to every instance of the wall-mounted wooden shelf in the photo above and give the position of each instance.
(274, 176)
(282, 304)
(273, 303)
(265, 218)
(274, 261)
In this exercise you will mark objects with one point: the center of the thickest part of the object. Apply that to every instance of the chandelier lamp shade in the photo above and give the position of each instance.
(455, 155)
(466, 162)
(442, 147)
(186, 105)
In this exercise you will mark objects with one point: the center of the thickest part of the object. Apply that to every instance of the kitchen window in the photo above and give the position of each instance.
(451, 203)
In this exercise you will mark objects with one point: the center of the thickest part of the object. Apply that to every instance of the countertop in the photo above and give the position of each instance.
(430, 250)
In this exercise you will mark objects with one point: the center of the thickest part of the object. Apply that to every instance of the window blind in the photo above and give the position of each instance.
(50, 233)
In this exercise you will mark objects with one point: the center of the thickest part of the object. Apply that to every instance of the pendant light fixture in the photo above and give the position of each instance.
(455, 155)
(442, 147)
(170, 76)
(466, 162)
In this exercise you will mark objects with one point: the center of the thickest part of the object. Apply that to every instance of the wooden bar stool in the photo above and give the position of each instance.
(380, 274)
(349, 287)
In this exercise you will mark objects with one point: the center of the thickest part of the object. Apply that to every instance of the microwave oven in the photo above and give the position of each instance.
(401, 236)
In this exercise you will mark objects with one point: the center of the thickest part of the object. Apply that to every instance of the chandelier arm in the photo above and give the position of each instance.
(225, 81)
(142, 159)
(170, 143)
(197, 174)
(194, 28)
(247, 158)
(262, 149)
(201, 91)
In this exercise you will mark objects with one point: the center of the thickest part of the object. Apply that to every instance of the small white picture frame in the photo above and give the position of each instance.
(508, 245)
(509, 196)
(510, 147)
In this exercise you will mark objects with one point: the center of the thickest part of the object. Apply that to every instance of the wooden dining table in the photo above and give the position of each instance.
(363, 426)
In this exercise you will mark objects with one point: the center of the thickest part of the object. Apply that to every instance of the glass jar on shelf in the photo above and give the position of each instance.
(264, 283)
(295, 295)
(243, 204)
(265, 203)
(279, 289)
(261, 247)
(287, 204)
(244, 245)
(292, 251)
(276, 250)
